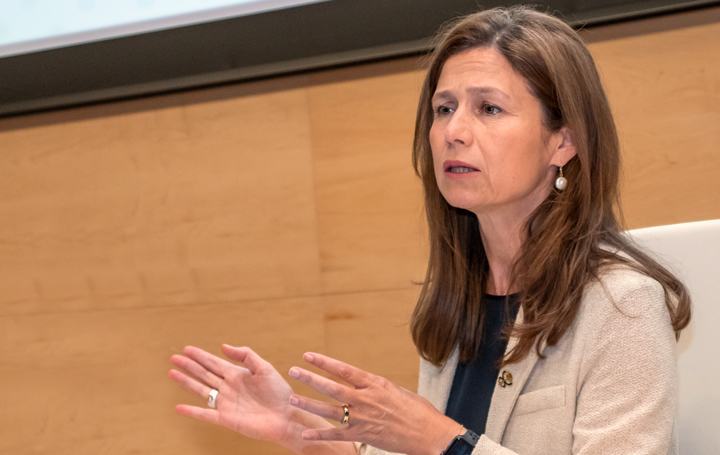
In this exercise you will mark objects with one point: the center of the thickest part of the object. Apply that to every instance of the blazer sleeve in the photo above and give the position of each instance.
(364, 449)
(628, 380)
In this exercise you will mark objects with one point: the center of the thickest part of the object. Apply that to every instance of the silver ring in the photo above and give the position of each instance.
(212, 399)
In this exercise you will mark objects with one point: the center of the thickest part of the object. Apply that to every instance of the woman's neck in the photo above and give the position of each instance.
(502, 239)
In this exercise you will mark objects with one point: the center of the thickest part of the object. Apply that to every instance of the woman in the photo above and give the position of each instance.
(542, 330)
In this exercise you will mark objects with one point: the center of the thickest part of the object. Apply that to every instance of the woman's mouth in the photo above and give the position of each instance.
(458, 167)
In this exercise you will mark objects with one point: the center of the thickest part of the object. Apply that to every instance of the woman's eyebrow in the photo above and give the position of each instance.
(487, 91)
(445, 94)
(483, 90)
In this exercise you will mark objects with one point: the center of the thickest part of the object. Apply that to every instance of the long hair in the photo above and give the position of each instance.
(568, 238)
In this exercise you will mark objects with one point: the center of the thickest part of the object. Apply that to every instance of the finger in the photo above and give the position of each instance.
(196, 370)
(213, 363)
(190, 384)
(319, 408)
(323, 385)
(331, 434)
(204, 414)
(246, 356)
(341, 370)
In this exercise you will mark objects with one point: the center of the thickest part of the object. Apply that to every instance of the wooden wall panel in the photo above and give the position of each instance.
(664, 88)
(369, 202)
(96, 381)
(371, 331)
(194, 202)
(281, 214)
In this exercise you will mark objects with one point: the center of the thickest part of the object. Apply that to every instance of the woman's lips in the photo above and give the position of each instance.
(457, 169)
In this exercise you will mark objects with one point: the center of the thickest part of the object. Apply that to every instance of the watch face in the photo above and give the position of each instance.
(460, 447)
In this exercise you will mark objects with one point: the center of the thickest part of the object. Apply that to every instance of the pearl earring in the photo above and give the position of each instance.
(561, 182)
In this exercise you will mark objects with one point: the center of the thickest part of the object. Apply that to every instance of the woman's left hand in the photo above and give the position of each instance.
(381, 414)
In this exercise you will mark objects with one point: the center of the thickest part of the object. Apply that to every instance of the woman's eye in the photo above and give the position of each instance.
(490, 109)
(443, 110)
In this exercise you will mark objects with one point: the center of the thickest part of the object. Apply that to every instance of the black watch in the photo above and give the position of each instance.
(462, 444)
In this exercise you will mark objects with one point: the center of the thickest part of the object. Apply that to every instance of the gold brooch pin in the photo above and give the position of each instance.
(505, 379)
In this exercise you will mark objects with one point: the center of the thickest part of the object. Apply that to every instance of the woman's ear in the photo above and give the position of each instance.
(564, 147)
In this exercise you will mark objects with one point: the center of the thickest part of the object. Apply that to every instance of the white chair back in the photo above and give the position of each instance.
(692, 251)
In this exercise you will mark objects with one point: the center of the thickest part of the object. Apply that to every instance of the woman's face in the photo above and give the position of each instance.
(491, 152)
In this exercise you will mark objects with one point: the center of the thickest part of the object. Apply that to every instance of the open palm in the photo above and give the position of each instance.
(252, 399)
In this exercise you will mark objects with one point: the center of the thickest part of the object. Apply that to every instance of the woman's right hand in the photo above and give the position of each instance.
(252, 400)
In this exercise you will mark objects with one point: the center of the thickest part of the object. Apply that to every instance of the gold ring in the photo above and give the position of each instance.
(346, 416)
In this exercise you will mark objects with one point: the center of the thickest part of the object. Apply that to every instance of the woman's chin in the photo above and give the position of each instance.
(464, 204)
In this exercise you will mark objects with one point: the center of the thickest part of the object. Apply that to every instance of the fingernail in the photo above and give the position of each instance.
(309, 357)
(294, 372)
(293, 400)
(308, 434)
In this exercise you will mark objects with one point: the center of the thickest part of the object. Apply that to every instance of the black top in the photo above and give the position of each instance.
(473, 385)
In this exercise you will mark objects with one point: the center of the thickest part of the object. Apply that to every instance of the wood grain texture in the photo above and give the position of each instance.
(368, 199)
(199, 202)
(371, 330)
(281, 214)
(664, 89)
(96, 381)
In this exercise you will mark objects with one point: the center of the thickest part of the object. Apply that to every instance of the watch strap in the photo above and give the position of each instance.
(471, 437)
(461, 443)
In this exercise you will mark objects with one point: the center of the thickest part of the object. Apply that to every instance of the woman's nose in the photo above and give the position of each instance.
(458, 129)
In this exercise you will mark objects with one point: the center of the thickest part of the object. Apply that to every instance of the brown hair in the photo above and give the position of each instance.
(562, 251)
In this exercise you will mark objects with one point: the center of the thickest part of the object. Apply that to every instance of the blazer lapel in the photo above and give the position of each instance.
(436, 382)
(504, 398)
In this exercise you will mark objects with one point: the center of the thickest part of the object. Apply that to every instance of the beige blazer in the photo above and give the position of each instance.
(608, 387)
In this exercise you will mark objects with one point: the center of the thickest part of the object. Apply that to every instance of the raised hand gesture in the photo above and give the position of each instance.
(252, 399)
(380, 413)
